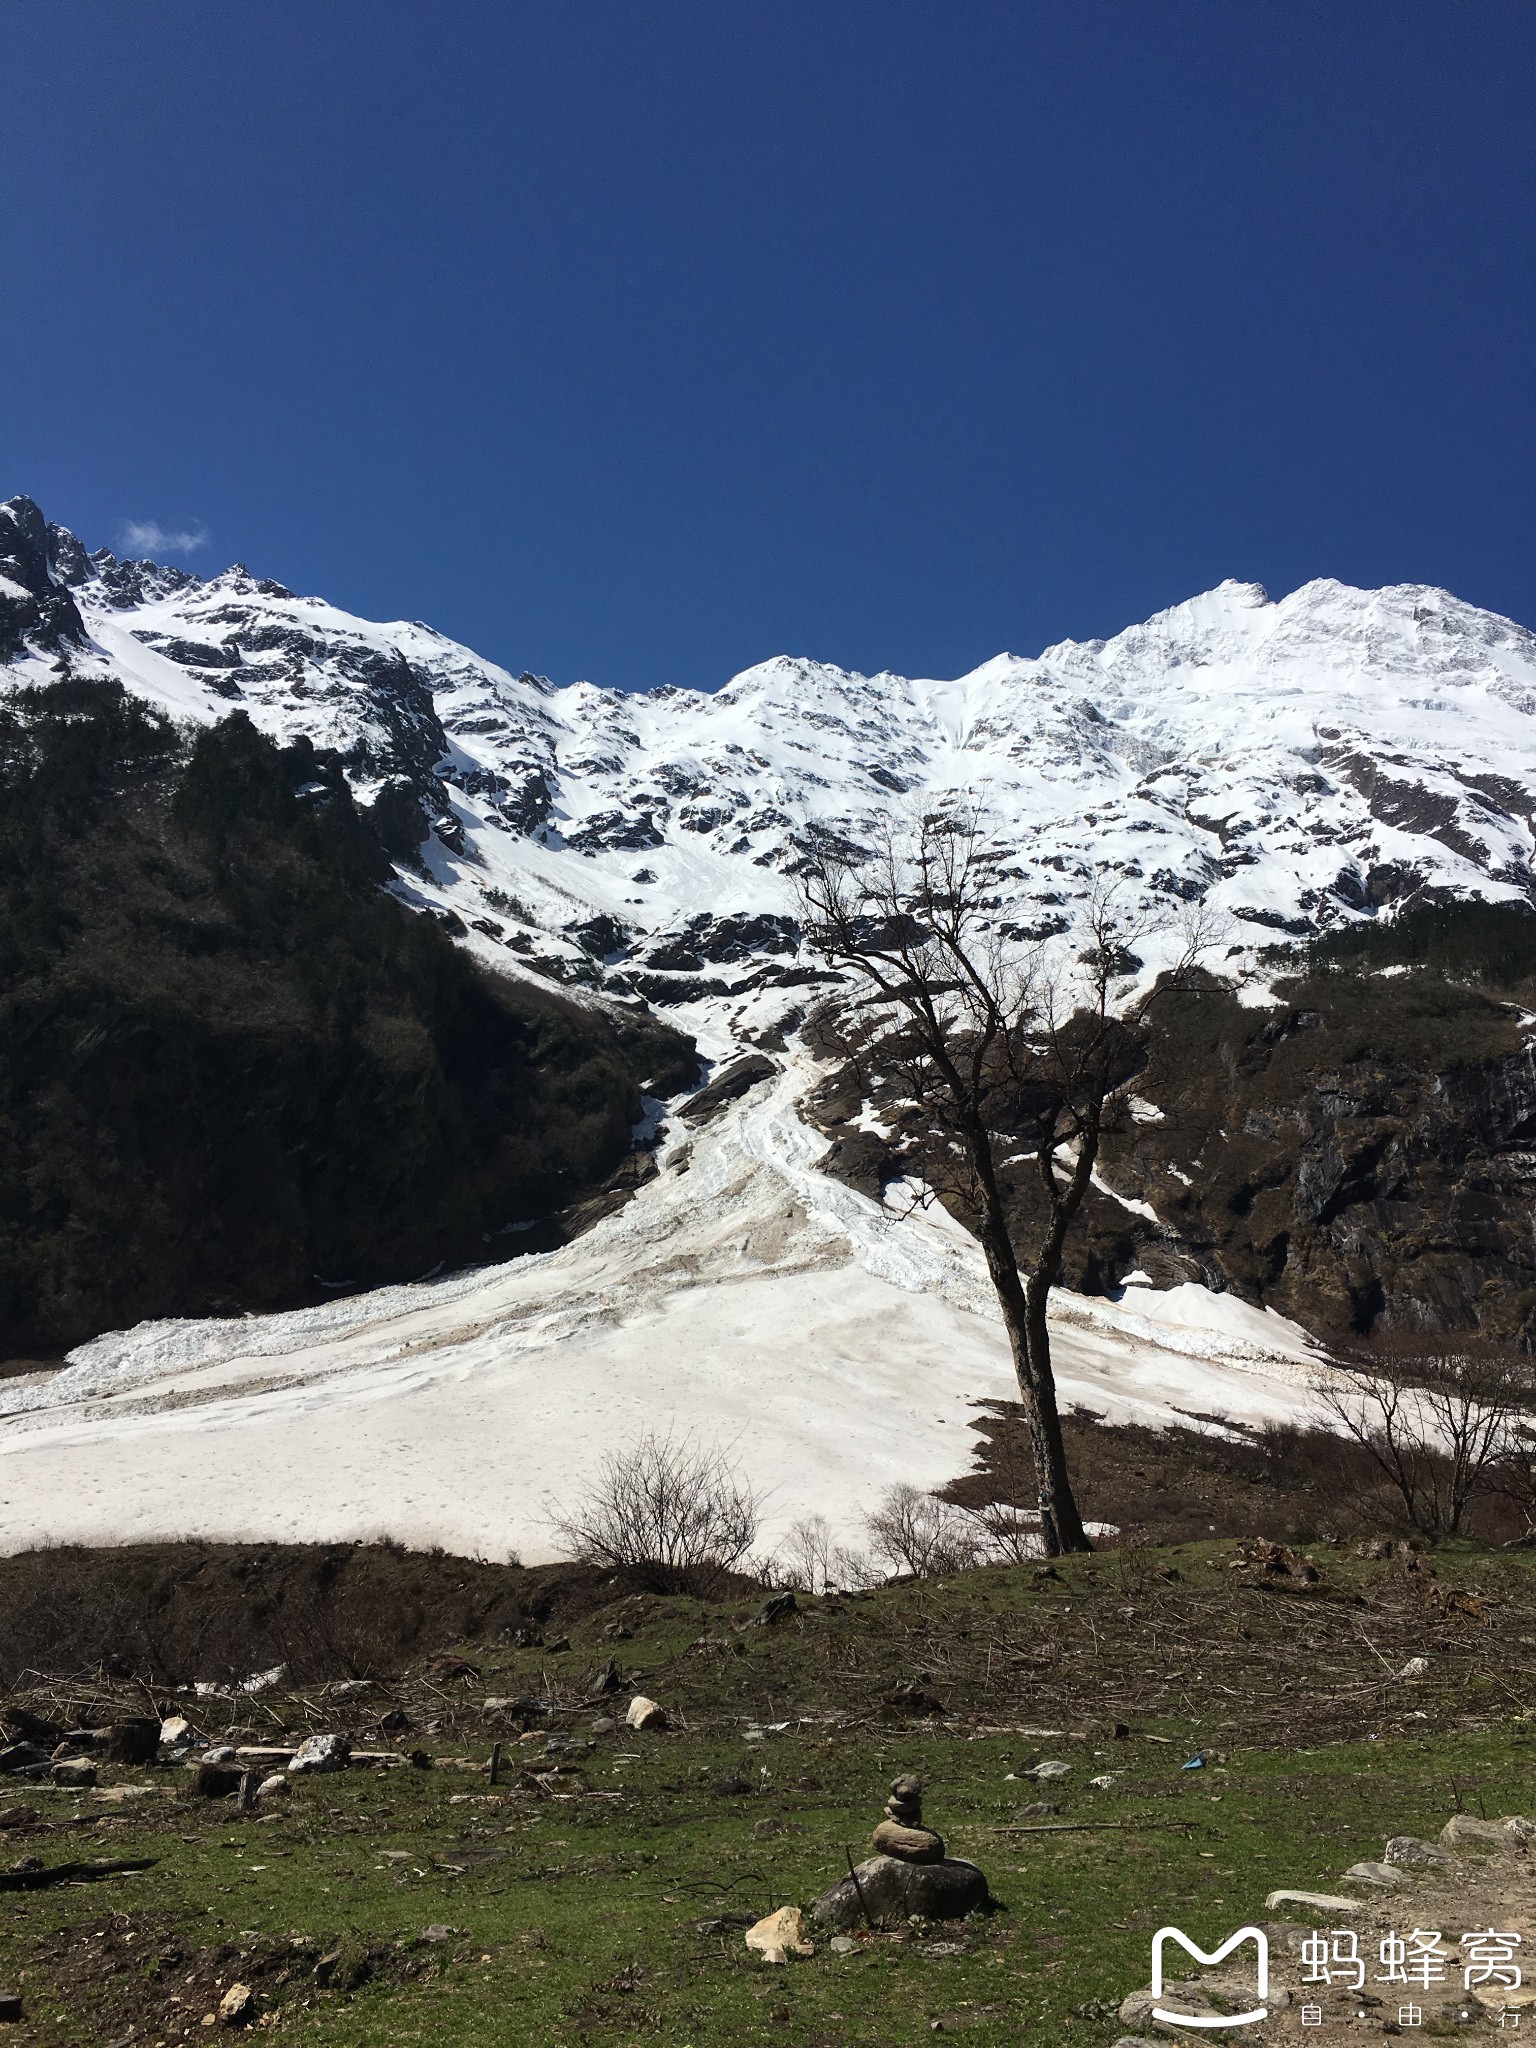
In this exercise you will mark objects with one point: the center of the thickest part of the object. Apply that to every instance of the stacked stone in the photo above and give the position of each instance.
(908, 1876)
(902, 1834)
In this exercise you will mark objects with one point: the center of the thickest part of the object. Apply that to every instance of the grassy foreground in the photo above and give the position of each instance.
(586, 1899)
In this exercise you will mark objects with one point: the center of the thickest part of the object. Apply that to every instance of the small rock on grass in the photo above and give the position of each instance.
(235, 2006)
(320, 1753)
(1137, 2009)
(1408, 1852)
(1324, 1902)
(1381, 1875)
(645, 1714)
(720, 1923)
(10, 2007)
(843, 1945)
(1465, 1831)
(780, 1935)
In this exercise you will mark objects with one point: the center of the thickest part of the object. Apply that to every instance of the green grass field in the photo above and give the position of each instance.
(583, 1915)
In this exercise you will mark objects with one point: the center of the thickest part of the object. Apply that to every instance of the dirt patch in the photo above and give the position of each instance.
(1183, 1485)
(175, 1613)
(138, 1976)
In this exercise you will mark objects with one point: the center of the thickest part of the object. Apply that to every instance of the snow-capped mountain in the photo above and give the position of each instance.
(1298, 762)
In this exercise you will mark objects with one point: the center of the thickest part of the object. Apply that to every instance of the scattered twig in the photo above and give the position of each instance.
(858, 1888)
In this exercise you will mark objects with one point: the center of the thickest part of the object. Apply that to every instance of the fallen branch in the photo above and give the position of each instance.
(1088, 1827)
(70, 1873)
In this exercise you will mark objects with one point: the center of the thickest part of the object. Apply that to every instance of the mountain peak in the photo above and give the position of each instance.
(1327, 756)
(36, 610)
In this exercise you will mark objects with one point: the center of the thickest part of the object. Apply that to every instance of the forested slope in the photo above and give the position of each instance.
(234, 1068)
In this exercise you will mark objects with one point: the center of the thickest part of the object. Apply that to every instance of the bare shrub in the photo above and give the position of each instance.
(812, 1562)
(1007, 1534)
(1435, 1418)
(919, 1533)
(669, 1506)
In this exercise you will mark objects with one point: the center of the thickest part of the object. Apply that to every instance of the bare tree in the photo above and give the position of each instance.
(670, 1505)
(1435, 1417)
(987, 1037)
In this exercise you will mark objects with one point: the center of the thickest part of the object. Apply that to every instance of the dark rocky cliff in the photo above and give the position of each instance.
(1359, 1156)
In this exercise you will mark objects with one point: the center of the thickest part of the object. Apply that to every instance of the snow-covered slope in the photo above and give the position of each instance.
(743, 1298)
(1298, 762)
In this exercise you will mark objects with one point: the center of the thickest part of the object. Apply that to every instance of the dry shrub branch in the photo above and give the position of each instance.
(670, 1506)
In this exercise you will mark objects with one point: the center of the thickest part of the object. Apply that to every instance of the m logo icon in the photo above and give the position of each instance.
(1218, 1955)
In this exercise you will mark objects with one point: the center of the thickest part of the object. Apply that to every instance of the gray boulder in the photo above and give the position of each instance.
(1466, 1831)
(320, 1753)
(893, 1890)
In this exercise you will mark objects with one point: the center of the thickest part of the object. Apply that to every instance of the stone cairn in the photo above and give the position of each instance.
(902, 1834)
(909, 1874)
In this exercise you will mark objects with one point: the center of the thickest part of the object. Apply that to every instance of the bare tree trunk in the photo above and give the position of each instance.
(1061, 1526)
(1024, 1319)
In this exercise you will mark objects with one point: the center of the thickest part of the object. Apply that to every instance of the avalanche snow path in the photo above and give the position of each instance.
(742, 1297)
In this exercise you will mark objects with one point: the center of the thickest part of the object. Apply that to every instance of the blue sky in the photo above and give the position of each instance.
(640, 343)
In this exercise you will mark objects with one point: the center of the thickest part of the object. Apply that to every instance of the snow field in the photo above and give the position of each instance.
(834, 1346)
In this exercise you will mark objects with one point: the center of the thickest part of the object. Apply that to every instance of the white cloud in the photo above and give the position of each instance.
(149, 537)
